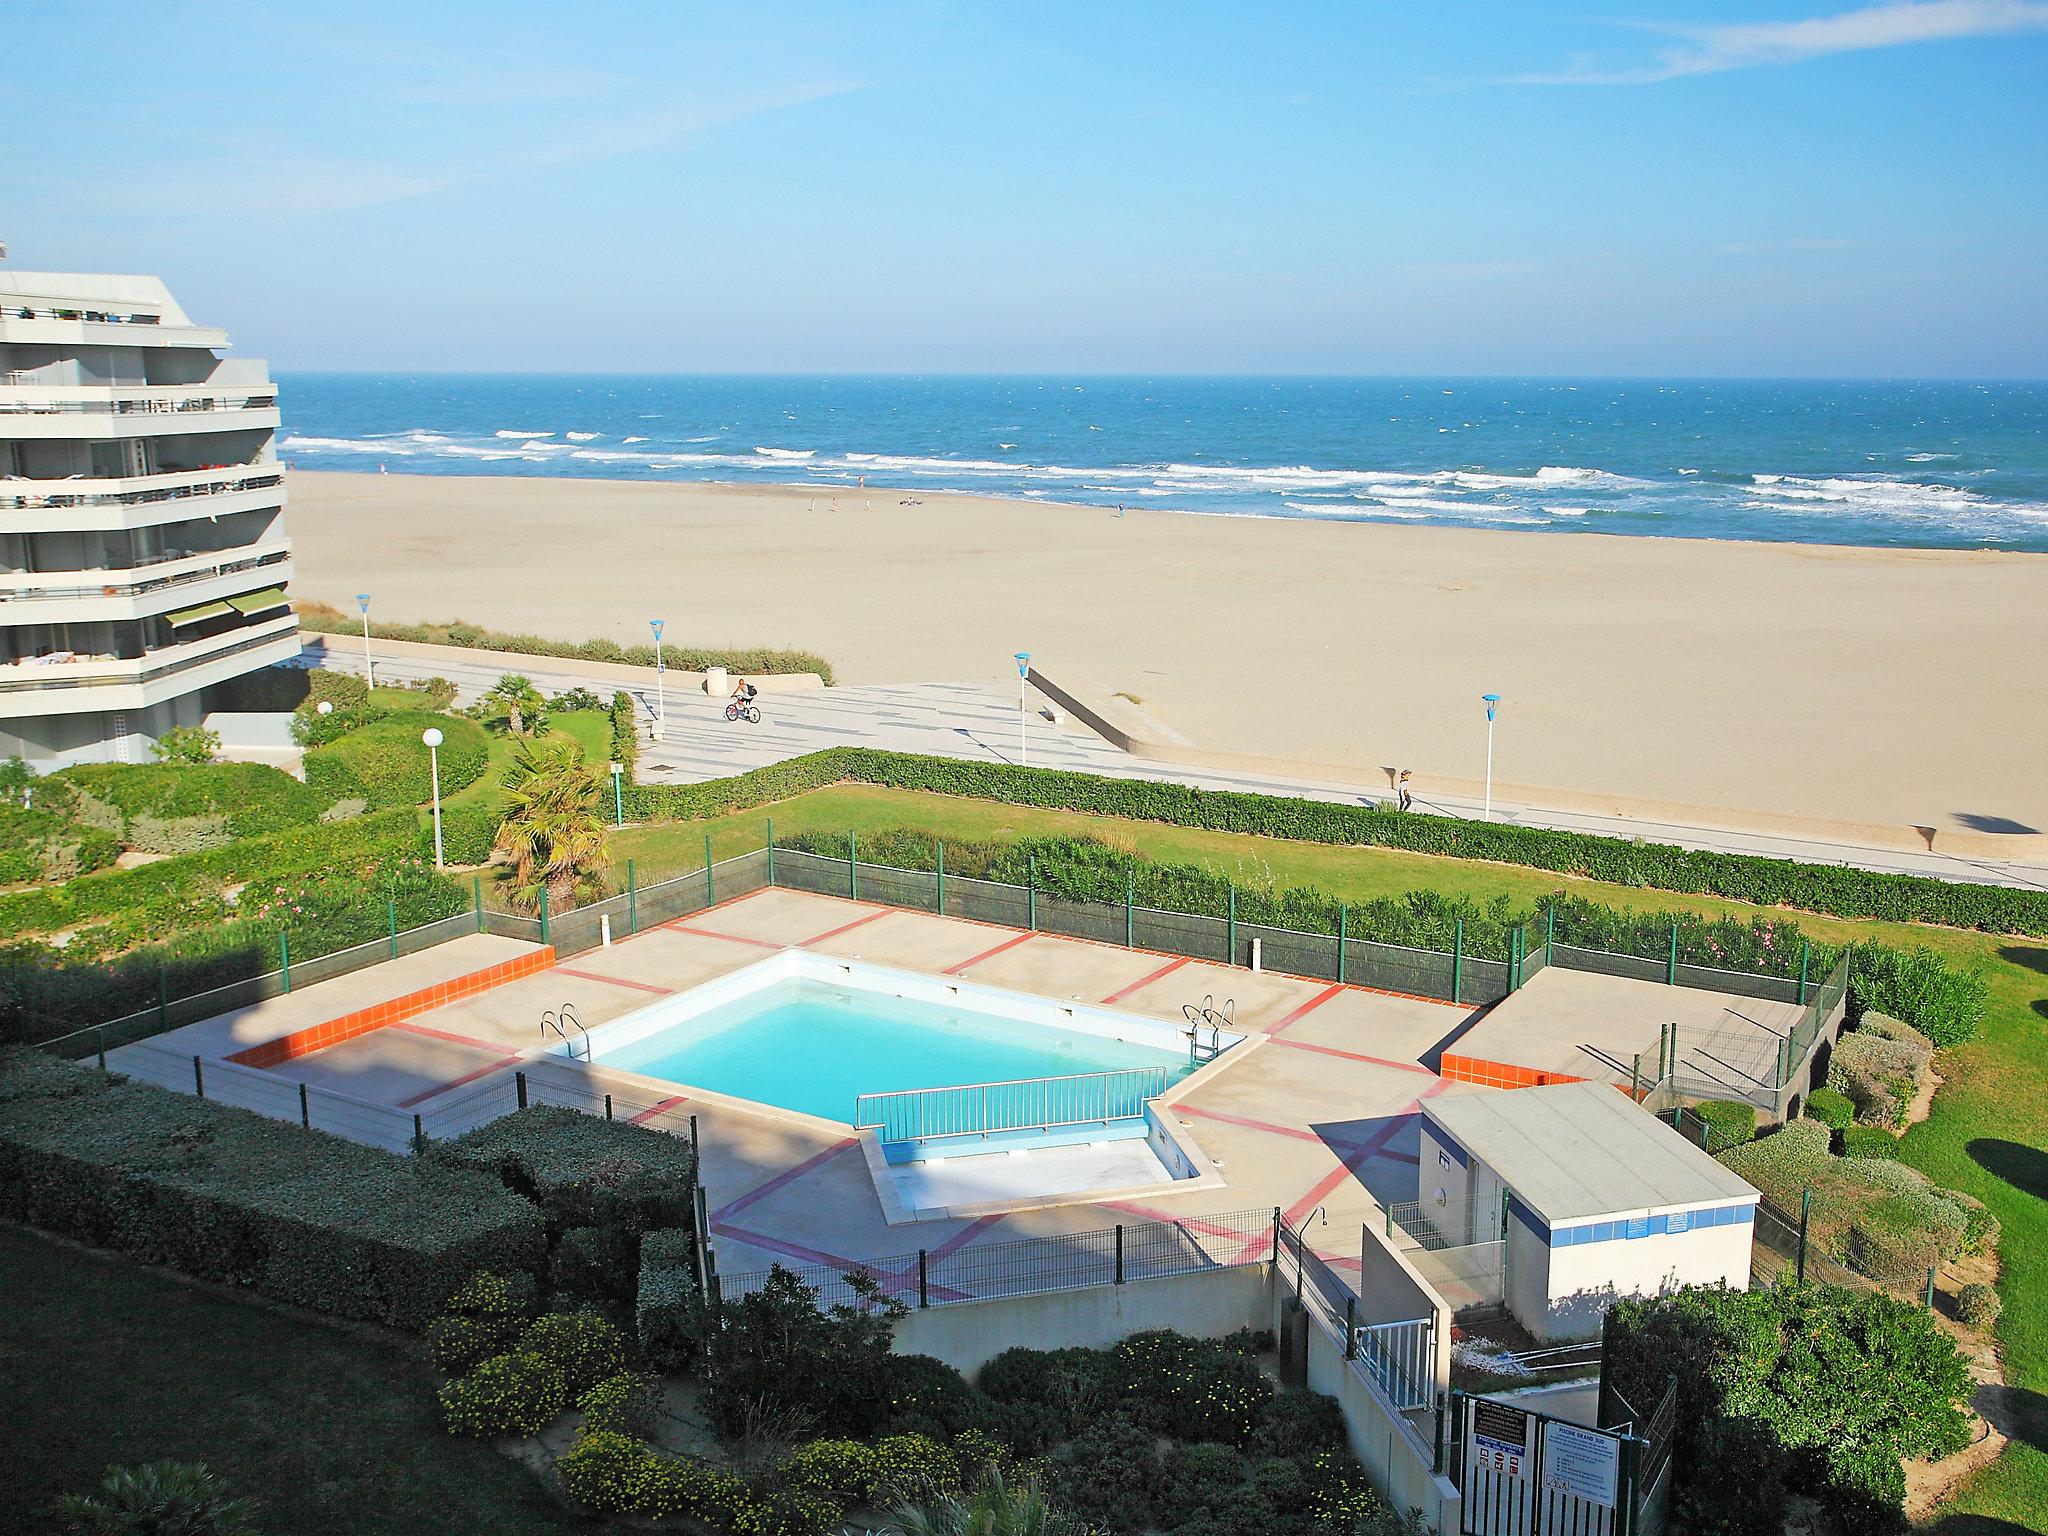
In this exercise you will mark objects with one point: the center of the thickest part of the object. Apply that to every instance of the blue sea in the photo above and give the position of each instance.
(1936, 465)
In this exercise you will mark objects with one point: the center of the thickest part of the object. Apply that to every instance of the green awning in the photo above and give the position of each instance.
(186, 616)
(253, 603)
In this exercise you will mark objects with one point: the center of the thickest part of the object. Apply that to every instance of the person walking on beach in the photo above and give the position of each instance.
(1407, 795)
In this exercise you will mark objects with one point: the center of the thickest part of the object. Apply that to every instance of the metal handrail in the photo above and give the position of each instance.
(1021, 1104)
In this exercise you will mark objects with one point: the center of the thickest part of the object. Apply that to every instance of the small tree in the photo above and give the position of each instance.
(554, 827)
(515, 703)
(164, 1498)
(775, 1355)
(187, 744)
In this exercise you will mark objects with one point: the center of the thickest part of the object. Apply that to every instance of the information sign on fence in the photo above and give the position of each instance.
(1500, 1438)
(1582, 1462)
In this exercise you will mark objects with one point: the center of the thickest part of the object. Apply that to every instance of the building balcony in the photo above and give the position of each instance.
(129, 410)
(67, 683)
(121, 325)
(137, 592)
(138, 501)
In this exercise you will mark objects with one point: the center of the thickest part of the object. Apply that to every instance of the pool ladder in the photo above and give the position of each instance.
(1206, 1015)
(561, 1021)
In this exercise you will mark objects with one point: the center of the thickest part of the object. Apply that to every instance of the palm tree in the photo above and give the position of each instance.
(514, 700)
(164, 1498)
(554, 828)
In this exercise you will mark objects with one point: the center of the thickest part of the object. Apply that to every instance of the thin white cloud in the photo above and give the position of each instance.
(1794, 243)
(1708, 50)
(1469, 271)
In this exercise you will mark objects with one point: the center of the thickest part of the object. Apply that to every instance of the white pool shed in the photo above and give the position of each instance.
(1603, 1200)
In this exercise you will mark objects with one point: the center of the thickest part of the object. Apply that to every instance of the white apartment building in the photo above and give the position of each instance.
(143, 558)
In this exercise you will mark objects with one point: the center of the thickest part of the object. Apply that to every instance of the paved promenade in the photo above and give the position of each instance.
(980, 724)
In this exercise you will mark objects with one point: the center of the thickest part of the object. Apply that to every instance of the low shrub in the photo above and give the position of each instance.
(911, 1467)
(349, 707)
(520, 1394)
(1830, 1108)
(584, 1347)
(625, 720)
(623, 1403)
(468, 834)
(931, 1398)
(616, 1474)
(1298, 1422)
(1977, 1305)
(187, 744)
(1191, 1388)
(1791, 1159)
(775, 1351)
(145, 804)
(174, 1498)
(484, 1318)
(573, 699)
(1877, 1075)
(1729, 1124)
(384, 762)
(669, 1315)
(234, 1197)
(44, 845)
(1867, 1141)
(844, 1470)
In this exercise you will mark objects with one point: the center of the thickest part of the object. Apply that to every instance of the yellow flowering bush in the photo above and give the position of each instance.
(505, 1395)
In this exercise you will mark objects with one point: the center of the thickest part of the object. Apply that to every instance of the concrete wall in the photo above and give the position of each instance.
(1207, 1304)
(1585, 1279)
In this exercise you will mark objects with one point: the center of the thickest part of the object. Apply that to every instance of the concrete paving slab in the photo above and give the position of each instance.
(1052, 966)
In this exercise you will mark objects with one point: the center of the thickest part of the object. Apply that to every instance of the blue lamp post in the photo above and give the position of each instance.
(1023, 737)
(369, 669)
(1492, 707)
(660, 691)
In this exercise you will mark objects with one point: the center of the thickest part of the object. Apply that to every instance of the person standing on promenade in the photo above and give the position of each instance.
(1407, 795)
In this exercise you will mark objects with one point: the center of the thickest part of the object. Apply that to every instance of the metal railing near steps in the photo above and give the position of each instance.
(1025, 1104)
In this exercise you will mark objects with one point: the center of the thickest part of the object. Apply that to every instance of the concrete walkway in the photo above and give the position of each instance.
(980, 724)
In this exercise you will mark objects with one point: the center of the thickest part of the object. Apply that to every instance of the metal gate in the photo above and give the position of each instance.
(1400, 1359)
(1524, 1473)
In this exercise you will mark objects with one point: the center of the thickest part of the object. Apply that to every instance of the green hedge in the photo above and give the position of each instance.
(231, 1196)
(248, 799)
(1623, 861)
(45, 845)
(321, 619)
(468, 833)
(668, 1309)
(385, 763)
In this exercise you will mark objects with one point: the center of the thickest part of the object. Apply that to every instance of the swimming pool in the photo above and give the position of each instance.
(813, 1034)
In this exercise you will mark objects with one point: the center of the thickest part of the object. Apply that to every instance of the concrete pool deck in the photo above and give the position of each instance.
(1317, 1117)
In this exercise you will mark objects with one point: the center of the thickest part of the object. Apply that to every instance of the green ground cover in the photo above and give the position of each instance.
(1985, 1136)
(591, 728)
(335, 1429)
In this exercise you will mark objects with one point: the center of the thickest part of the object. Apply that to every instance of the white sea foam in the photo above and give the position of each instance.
(636, 439)
(1567, 511)
(792, 455)
(583, 437)
(1926, 458)
(510, 433)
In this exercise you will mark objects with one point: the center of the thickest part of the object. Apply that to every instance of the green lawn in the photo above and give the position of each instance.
(399, 698)
(592, 730)
(336, 1431)
(1986, 1134)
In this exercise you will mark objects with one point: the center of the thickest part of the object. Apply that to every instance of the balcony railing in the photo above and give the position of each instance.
(139, 405)
(224, 480)
(107, 671)
(11, 311)
(145, 577)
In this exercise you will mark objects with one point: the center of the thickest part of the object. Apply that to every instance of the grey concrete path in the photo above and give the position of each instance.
(978, 723)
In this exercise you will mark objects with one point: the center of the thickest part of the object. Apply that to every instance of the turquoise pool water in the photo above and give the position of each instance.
(815, 1048)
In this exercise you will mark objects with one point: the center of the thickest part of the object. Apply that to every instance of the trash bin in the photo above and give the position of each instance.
(715, 683)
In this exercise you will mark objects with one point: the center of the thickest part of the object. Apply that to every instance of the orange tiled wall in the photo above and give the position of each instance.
(1500, 1074)
(318, 1037)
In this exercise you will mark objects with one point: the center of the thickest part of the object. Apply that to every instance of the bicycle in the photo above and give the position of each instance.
(751, 713)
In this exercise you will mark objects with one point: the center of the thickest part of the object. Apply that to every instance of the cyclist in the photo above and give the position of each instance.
(744, 694)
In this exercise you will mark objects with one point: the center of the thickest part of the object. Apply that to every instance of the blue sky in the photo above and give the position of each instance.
(1380, 186)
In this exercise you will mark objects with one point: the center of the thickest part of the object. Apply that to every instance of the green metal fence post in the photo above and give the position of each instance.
(163, 998)
(476, 897)
(852, 867)
(305, 1109)
(632, 898)
(1230, 931)
(1549, 931)
(1805, 1210)
(771, 850)
(1671, 965)
(1458, 962)
(284, 957)
(1130, 909)
(543, 916)
(1635, 1079)
(1343, 937)
(1515, 959)
(942, 878)
(1805, 954)
(1930, 1287)
(391, 911)
(1784, 1062)
(710, 886)
(1031, 892)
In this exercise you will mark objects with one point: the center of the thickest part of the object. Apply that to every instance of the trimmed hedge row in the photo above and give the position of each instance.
(248, 799)
(1855, 893)
(231, 1196)
(384, 763)
(319, 618)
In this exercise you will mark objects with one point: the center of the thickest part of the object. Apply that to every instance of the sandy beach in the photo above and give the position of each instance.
(1841, 684)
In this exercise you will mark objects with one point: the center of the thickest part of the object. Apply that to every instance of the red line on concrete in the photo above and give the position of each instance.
(1146, 980)
(788, 1175)
(446, 1034)
(1376, 1061)
(616, 981)
(1153, 1213)
(987, 954)
(662, 1108)
(679, 926)
(1298, 1133)
(833, 933)
(960, 1239)
(1307, 1008)
(887, 1280)
(456, 1082)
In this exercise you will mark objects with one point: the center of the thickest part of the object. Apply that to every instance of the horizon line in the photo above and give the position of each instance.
(1202, 375)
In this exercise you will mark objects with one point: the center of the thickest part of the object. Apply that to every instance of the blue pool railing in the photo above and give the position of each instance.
(1027, 1104)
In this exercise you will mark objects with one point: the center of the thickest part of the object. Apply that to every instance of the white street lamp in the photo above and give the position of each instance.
(660, 693)
(324, 707)
(619, 792)
(369, 668)
(432, 737)
(1023, 737)
(1492, 705)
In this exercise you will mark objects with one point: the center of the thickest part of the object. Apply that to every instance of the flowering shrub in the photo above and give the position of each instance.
(623, 1403)
(839, 1469)
(912, 1467)
(582, 1346)
(505, 1395)
(1191, 1388)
